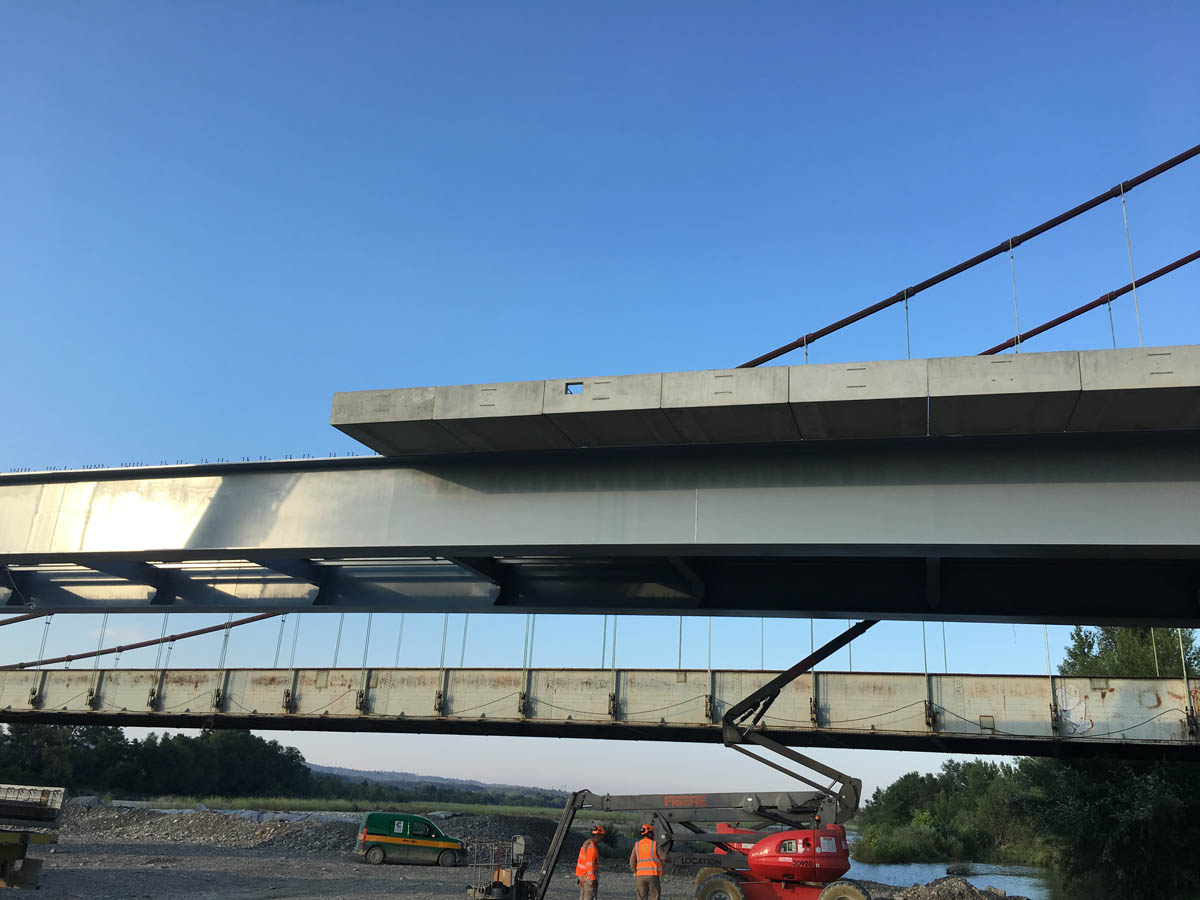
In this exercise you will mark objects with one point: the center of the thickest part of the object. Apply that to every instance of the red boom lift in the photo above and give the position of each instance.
(776, 846)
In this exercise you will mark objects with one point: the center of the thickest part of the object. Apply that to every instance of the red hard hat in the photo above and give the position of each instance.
(598, 830)
(647, 829)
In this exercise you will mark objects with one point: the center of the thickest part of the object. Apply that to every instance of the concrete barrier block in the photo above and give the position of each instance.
(504, 416)
(1143, 388)
(859, 400)
(609, 411)
(730, 405)
(1025, 393)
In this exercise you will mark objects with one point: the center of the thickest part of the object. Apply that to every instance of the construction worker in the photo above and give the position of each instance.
(646, 865)
(587, 867)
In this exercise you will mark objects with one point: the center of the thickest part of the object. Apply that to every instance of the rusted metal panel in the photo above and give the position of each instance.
(478, 693)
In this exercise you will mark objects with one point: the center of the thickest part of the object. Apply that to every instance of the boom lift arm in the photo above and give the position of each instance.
(740, 725)
(679, 816)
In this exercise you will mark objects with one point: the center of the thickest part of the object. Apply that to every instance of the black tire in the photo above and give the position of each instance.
(447, 858)
(375, 855)
(707, 871)
(721, 887)
(845, 890)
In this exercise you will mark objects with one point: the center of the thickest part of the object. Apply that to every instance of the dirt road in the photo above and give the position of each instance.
(124, 871)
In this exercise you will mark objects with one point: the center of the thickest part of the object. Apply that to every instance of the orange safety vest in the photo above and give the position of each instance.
(585, 866)
(648, 860)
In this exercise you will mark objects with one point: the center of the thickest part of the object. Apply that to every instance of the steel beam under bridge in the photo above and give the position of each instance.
(1067, 528)
(948, 713)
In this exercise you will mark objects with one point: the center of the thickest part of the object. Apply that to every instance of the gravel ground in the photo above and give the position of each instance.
(122, 854)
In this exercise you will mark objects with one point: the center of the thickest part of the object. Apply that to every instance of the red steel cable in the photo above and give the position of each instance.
(1002, 247)
(140, 644)
(25, 618)
(1099, 301)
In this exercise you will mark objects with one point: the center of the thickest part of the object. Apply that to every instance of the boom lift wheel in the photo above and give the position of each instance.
(375, 856)
(845, 890)
(722, 887)
(706, 871)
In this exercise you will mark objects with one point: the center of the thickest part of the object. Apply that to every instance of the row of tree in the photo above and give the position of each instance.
(1108, 828)
(95, 759)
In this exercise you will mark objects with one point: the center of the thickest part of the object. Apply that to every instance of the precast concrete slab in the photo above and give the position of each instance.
(859, 400)
(394, 421)
(504, 416)
(1143, 388)
(1019, 393)
(611, 411)
(719, 406)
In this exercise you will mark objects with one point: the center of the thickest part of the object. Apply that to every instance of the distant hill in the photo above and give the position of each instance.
(413, 781)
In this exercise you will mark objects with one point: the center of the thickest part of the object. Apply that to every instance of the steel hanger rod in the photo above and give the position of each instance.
(1003, 247)
(1099, 301)
(150, 643)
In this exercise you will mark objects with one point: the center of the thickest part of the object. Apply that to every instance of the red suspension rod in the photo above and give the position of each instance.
(25, 618)
(163, 640)
(1002, 247)
(1099, 301)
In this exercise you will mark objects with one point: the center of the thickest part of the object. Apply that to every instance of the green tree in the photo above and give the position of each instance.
(968, 810)
(1109, 650)
(1120, 829)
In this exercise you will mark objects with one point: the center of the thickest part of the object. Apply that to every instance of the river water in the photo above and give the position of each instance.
(1016, 880)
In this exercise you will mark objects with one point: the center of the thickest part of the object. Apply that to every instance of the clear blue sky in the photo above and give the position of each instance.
(213, 216)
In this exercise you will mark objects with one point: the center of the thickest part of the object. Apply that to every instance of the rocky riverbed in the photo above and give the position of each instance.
(121, 854)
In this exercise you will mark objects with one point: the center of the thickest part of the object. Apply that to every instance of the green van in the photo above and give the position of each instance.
(403, 837)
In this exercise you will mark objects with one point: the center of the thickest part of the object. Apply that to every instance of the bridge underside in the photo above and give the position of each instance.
(1055, 590)
(1069, 528)
(944, 713)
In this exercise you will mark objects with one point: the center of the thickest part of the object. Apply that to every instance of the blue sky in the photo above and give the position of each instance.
(213, 216)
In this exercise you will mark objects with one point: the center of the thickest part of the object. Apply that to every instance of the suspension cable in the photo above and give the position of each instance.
(1004, 246)
(25, 618)
(150, 643)
(1099, 301)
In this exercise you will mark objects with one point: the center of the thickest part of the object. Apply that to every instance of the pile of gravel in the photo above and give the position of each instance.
(500, 828)
(310, 837)
(292, 832)
(208, 828)
(476, 830)
(951, 888)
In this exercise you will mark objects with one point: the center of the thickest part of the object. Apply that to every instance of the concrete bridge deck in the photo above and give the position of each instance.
(948, 713)
(1136, 389)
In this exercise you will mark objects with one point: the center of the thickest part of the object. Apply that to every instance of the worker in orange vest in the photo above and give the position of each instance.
(587, 867)
(646, 865)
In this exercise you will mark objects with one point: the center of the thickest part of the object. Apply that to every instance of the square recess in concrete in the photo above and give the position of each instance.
(609, 411)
